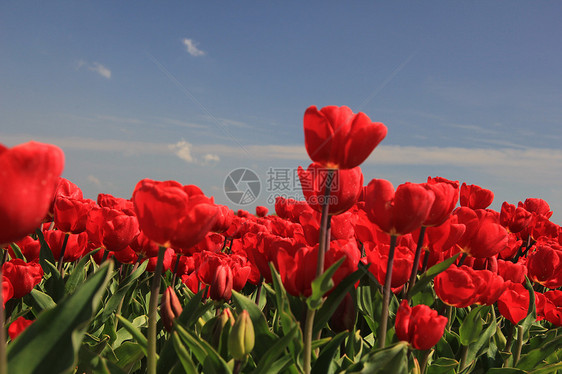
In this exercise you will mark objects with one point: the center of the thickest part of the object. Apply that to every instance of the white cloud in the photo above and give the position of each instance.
(95, 181)
(95, 67)
(182, 149)
(192, 48)
(210, 159)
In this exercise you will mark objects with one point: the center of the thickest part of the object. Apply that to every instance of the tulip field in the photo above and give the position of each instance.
(359, 277)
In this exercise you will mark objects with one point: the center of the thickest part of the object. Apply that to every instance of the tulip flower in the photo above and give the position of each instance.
(241, 339)
(23, 276)
(400, 212)
(345, 188)
(420, 326)
(171, 214)
(71, 215)
(18, 326)
(7, 290)
(76, 244)
(29, 173)
(515, 219)
(170, 308)
(475, 197)
(336, 138)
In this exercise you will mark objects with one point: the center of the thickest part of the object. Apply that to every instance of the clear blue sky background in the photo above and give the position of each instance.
(470, 91)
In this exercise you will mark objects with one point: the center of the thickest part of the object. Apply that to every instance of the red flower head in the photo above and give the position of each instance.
(65, 188)
(173, 215)
(446, 198)
(475, 197)
(420, 326)
(545, 266)
(261, 211)
(336, 138)
(23, 276)
(537, 206)
(225, 216)
(75, 246)
(514, 219)
(456, 286)
(18, 326)
(484, 236)
(112, 229)
(71, 214)
(29, 173)
(7, 290)
(109, 201)
(513, 304)
(29, 247)
(400, 212)
(345, 188)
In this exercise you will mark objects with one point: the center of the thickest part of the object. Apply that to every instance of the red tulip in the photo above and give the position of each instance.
(7, 290)
(171, 214)
(23, 276)
(65, 188)
(514, 219)
(446, 198)
(108, 201)
(336, 138)
(71, 215)
(261, 211)
(456, 286)
(76, 244)
(475, 197)
(544, 265)
(18, 326)
(484, 236)
(29, 247)
(29, 173)
(537, 206)
(420, 326)
(345, 187)
(400, 212)
(513, 304)
(112, 229)
(170, 308)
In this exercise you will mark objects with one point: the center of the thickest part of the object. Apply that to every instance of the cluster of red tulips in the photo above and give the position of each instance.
(343, 226)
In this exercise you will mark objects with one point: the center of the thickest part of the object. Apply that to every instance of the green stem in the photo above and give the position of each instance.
(152, 312)
(323, 247)
(3, 358)
(464, 355)
(416, 264)
(62, 250)
(425, 359)
(519, 345)
(386, 293)
(308, 325)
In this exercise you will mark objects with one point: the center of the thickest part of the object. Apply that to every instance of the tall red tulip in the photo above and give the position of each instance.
(171, 214)
(29, 173)
(475, 197)
(337, 138)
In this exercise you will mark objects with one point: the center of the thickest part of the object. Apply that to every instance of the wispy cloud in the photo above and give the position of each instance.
(95, 67)
(192, 47)
(183, 150)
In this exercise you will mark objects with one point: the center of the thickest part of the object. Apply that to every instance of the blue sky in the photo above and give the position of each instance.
(190, 91)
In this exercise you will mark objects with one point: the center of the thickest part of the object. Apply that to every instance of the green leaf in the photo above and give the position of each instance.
(203, 352)
(505, 371)
(548, 369)
(116, 299)
(535, 357)
(42, 301)
(276, 350)
(480, 346)
(17, 251)
(326, 357)
(335, 298)
(471, 327)
(532, 310)
(52, 342)
(127, 355)
(264, 337)
(391, 359)
(321, 285)
(78, 273)
(45, 253)
(184, 356)
(54, 285)
(442, 365)
(431, 273)
(137, 335)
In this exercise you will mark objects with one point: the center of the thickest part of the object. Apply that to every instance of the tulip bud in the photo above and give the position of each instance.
(241, 339)
(221, 285)
(213, 329)
(170, 308)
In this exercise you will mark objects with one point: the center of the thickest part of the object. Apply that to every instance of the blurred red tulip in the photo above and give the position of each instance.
(18, 326)
(71, 215)
(23, 276)
(29, 173)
